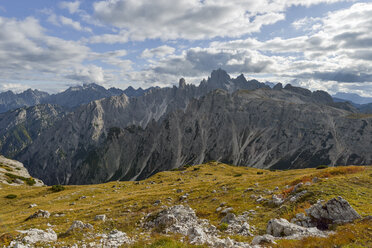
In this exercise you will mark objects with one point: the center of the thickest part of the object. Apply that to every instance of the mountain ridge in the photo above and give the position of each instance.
(85, 140)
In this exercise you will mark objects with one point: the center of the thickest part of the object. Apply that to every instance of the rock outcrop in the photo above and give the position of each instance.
(237, 225)
(14, 173)
(183, 220)
(32, 236)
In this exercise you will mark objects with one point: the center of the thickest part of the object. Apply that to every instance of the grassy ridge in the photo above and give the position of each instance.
(125, 203)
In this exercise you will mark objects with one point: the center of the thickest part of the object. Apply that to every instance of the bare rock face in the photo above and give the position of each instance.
(335, 211)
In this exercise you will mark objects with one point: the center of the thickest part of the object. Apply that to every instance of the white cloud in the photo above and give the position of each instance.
(74, 24)
(15, 87)
(32, 55)
(72, 7)
(158, 52)
(88, 74)
(189, 19)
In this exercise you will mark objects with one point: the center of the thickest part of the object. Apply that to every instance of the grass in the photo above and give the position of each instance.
(128, 202)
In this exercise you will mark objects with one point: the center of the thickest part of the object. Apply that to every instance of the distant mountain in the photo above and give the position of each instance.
(10, 100)
(78, 95)
(70, 98)
(131, 92)
(20, 127)
(122, 138)
(352, 97)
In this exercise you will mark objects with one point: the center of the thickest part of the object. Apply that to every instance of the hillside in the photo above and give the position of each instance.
(209, 189)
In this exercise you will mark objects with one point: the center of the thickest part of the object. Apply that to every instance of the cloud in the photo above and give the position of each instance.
(30, 54)
(74, 24)
(158, 52)
(189, 19)
(88, 74)
(72, 7)
(15, 87)
(201, 61)
(337, 50)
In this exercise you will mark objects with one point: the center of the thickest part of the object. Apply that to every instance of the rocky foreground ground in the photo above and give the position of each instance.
(210, 205)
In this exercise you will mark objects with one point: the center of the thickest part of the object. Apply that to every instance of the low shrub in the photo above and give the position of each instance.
(12, 178)
(57, 188)
(11, 196)
(322, 167)
(259, 172)
(238, 175)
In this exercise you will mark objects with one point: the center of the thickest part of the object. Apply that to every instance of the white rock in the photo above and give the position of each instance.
(266, 239)
(101, 217)
(77, 224)
(37, 235)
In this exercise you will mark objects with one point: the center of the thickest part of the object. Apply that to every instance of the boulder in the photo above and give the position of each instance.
(335, 211)
(101, 217)
(283, 228)
(266, 239)
(36, 235)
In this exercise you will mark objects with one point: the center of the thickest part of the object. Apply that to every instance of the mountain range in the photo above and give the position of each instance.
(68, 99)
(231, 120)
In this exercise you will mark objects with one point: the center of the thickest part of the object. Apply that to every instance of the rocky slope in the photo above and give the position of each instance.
(263, 129)
(20, 127)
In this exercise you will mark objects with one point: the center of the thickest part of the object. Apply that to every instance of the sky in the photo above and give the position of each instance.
(317, 44)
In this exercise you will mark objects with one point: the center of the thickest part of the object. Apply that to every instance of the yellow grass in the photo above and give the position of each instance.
(125, 203)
